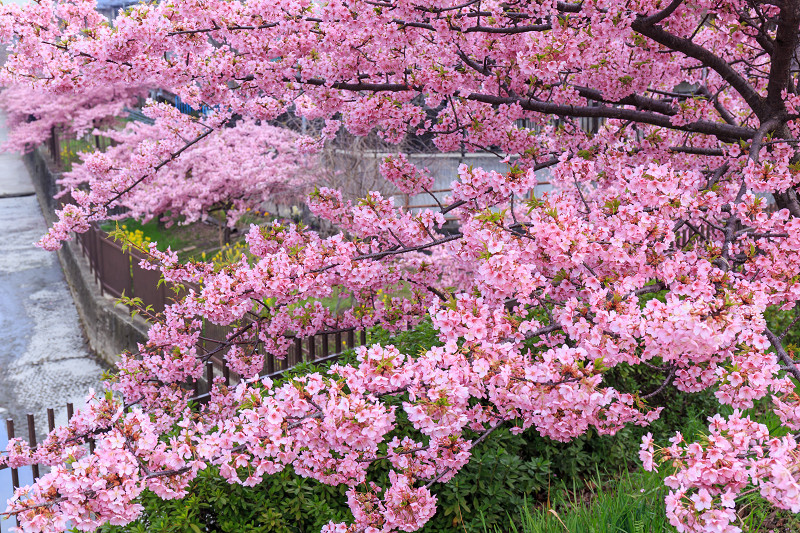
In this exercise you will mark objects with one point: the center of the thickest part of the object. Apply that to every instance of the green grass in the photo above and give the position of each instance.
(632, 503)
(165, 237)
(70, 149)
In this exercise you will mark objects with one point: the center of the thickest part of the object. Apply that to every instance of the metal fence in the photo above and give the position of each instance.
(64, 149)
(118, 272)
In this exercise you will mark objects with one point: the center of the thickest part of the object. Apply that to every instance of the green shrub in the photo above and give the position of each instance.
(491, 488)
(283, 503)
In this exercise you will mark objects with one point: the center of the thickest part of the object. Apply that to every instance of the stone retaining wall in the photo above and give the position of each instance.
(109, 328)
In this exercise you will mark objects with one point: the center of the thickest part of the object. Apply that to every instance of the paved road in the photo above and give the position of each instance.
(44, 360)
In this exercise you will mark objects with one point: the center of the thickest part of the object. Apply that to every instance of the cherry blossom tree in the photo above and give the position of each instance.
(262, 162)
(32, 113)
(699, 109)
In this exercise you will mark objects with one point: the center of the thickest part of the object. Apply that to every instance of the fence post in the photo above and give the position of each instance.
(14, 471)
(298, 351)
(351, 339)
(32, 443)
(209, 375)
(56, 148)
(99, 249)
(312, 348)
(51, 143)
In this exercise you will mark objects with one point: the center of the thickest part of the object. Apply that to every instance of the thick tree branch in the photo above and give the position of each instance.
(661, 15)
(717, 129)
(786, 41)
(782, 355)
(640, 102)
(705, 57)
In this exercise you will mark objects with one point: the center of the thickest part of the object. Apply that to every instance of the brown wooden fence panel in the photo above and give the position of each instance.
(145, 284)
(114, 268)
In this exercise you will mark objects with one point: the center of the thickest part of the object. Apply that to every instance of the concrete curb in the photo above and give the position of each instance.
(109, 328)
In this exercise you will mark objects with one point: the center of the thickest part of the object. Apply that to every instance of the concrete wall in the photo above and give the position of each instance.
(109, 328)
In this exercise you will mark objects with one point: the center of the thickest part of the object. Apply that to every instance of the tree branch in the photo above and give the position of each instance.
(786, 41)
(717, 129)
(707, 58)
(782, 355)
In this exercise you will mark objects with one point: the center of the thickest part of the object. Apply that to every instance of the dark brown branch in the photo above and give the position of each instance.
(640, 102)
(438, 10)
(723, 112)
(663, 385)
(543, 331)
(717, 129)
(661, 15)
(786, 41)
(510, 30)
(566, 7)
(221, 28)
(707, 58)
(649, 289)
(790, 326)
(782, 355)
(696, 151)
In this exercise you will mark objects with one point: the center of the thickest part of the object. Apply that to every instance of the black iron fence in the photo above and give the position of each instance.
(65, 149)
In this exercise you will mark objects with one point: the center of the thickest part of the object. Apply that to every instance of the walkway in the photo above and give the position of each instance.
(44, 360)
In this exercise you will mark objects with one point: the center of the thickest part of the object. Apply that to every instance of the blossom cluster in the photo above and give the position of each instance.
(656, 248)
